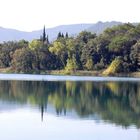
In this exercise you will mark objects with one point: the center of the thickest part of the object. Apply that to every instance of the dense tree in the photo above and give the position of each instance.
(47, 60)
(7, 49)
(86, 51)
(60, 35)
(135, 57)
(23, 60)
(89, 64)
(115, 66)
(84, 36)
(35, 44)
(59, 49)
(89, 51)
(71, 64)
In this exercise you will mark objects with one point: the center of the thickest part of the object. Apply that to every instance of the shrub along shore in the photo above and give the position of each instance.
(76, 73)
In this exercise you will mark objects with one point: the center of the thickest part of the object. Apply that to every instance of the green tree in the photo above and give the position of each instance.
(135, 57)
(48, 60)
(84, 36)
(34, 44)
(89, 51)
(59, 49)
(23, 60)
(7, 49)
(44, 35)
(59, 35)
(47, 40)
(66, 36)
(89, 64)
(71, 64)
(115, 66)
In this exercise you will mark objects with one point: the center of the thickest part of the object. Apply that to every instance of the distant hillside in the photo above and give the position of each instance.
(74, 29)
(101, 26)
(12, 34)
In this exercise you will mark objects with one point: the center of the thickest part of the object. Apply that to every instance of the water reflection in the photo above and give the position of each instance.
(115, 102)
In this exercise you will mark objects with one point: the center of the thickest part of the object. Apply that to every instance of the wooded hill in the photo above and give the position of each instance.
(117, 49)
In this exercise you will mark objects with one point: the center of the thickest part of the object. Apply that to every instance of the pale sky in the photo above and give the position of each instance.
(28, 15)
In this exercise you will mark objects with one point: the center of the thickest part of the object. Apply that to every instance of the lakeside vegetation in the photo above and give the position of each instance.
(116, 50)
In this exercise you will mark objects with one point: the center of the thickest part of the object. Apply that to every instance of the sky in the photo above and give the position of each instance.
(29, 15)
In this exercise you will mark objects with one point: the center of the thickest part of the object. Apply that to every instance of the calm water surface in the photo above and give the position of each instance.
(69, 110)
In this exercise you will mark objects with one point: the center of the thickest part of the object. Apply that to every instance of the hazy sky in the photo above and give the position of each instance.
(31, 15)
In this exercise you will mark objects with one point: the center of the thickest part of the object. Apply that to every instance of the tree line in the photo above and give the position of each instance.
(117, 48)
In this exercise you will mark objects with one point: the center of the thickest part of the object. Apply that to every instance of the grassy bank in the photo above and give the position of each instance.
(78, 73)
(92, 73)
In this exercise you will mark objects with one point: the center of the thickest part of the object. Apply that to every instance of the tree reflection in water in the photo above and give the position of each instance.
(115, 102)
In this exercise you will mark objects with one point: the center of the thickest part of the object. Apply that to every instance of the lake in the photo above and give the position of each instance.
(69, 109)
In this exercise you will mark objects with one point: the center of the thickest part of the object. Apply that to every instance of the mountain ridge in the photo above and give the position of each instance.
(7, 34)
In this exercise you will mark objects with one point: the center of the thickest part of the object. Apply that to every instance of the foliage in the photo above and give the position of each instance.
(114, 67)
(7, 49)
(86, 51)
(59, 49)
(135, 56)
(89, 64)
(34, 44)
(71, 64)
(23, 60)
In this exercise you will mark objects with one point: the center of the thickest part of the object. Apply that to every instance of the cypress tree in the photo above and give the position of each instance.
(44, 35)
(59, 35)
(62, 35)
(47, 39)
(66, 36)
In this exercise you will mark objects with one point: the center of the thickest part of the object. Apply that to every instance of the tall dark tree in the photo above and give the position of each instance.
(47, 39)
(59, 35)
(44, 35)
(62, 35)
(66, 36)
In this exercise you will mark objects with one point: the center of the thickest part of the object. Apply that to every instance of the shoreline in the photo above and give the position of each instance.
(40, 77)
(93, 73)
(74, 73)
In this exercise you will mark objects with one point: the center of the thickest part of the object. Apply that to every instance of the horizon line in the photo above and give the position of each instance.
(62, 25)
